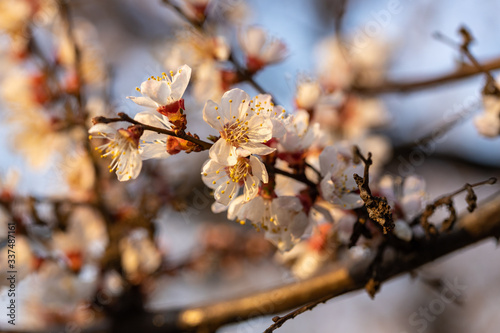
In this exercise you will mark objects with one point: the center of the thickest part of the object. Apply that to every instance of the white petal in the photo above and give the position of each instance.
(180, 82)
(257, 148)
(218, 207)
(274, 51)
(260, 129)
(259, 169)
(232, 104)
(210, 114)
(158, 91)
(104, 129)
(251, 184)
(226, 192)
(130, 167)
(213, 174)
(143, 101)
(328, 159)
(154, 150)
(153, 119)
(253, 40)
(279, 129)
(234, 207)
(223, 153)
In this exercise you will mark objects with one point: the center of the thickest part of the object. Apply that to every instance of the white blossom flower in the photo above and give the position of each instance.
(227, 180)
(123, 147)
(300, 133)
(164, 93)
(488, 123)
(307, 94)
(338, 185)
(238, 126)
(140, 256)
(260, 49)
(283, 218)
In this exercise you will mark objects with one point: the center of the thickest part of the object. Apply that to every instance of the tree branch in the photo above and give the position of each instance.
(410, 86)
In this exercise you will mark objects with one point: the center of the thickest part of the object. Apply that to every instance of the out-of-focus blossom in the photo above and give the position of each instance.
(16, 15)
(338, 185)
(203, 53)
(381, 149)
(351, 119)
(140, 257)
(227, 180)
(260, 49)
(307, 94)
(83, 242)
(56, 295)
(36, 136)
(488, 123)
(195, 49)
(194, 9)
(92, 68)
(79, 174)
(238, 126)
(340, 65)
(283, 218)
(122, 146)
(25, 90)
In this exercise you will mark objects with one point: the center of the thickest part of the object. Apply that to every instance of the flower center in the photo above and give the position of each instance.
(131, 135)
(240, 170)
(235, 133)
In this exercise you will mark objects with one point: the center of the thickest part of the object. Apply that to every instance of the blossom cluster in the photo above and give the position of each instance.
(266, 166)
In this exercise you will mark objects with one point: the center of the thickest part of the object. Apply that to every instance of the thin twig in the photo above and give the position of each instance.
(413, 86)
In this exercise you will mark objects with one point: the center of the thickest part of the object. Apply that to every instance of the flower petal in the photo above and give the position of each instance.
(213, 174)
(153, 150)
(210, 114)
(259, 169)
(158, 91)
(223, 153)
(252, 40)
(251, 184)
(180, 82)
(257, 148)
(224, 193)
(234, 103)
(143, 101)
(105, 129)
